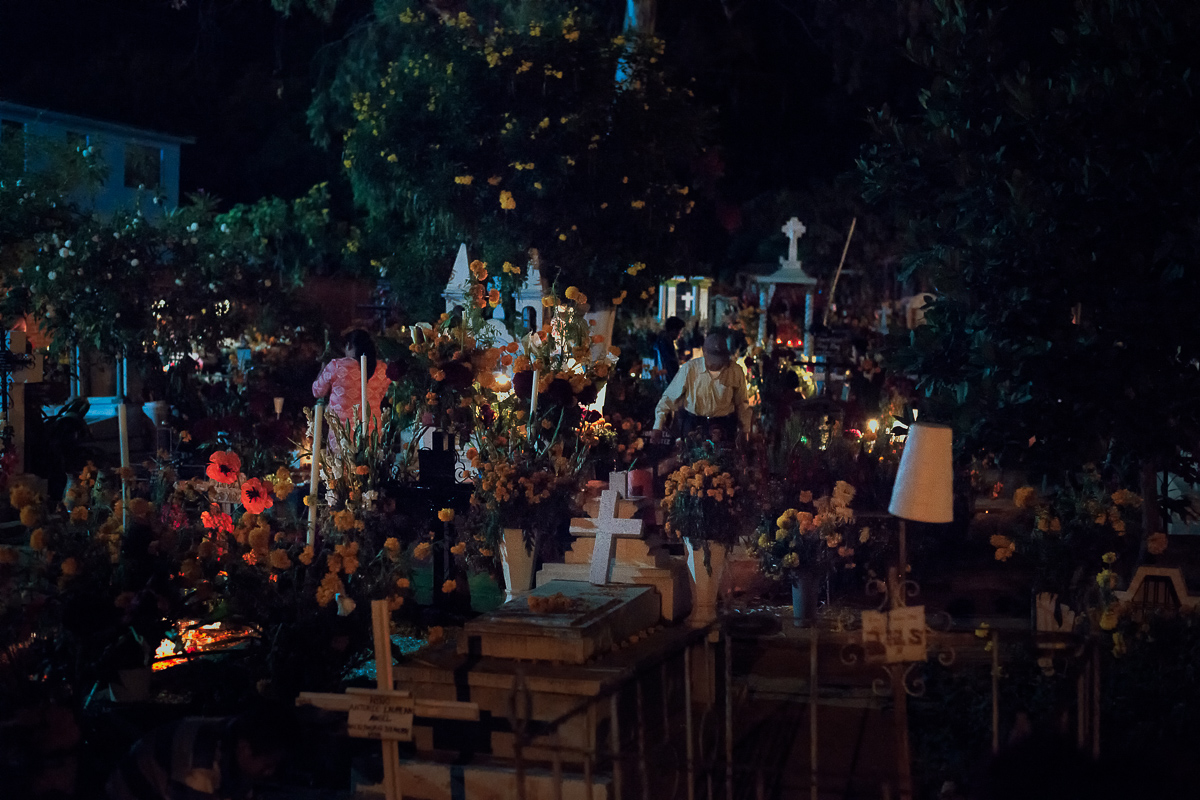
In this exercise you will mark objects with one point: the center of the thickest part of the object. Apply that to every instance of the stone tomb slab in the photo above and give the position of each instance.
(575, 621)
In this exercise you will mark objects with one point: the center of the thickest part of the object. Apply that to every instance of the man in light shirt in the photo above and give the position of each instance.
(708, 395)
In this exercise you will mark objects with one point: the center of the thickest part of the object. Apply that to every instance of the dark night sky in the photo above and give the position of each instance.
(792, 80)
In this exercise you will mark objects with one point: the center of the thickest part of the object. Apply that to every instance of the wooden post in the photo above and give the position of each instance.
(995, 692)
(812, 711)
(364, 408)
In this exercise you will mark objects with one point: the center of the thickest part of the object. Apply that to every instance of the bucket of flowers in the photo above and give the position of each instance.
(808, 540)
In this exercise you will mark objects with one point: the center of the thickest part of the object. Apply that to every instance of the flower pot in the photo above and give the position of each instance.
(706, 581)
(517, 562)
(804, 600)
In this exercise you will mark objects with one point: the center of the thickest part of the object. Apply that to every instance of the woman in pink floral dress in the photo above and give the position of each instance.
(341, 380)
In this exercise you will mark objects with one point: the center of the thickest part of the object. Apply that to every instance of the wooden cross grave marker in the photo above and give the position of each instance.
(604, 527)
(384, 713)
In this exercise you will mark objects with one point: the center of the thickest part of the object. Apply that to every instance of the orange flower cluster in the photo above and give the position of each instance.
(701, 479)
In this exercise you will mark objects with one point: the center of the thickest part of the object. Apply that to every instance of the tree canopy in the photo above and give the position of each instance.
(515, 127)
(1049, 182)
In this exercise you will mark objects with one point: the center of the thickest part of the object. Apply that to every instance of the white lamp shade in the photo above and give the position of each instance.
(924, 490)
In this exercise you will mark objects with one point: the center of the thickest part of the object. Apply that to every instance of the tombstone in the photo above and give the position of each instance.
(790, 271)
(499, 331)
(1156, 590)
(455, 293)
(632, 558)
(528, 299)
(17, 369)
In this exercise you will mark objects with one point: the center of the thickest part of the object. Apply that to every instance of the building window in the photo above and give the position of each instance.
(143, 166)
(12, 146)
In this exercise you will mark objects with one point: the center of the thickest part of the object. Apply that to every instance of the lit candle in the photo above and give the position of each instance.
(315, 477)
(365, 408)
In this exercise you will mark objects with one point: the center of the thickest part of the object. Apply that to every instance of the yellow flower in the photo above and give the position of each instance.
(449, 586)
(464, 180)
(79, 514)
(422, 551)
(1109, 557)
(37, 539)
(781, 534)
(446, 515)
(864, 535)
(1119, 647)
(1109, 619)
(506, 200)
(638, 204)
(1156, 543)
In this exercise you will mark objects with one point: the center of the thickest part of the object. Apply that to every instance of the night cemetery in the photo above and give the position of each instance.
(545, 400)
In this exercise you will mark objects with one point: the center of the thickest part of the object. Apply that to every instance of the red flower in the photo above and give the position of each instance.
(256, 497)
(217, 520)
(224, 466)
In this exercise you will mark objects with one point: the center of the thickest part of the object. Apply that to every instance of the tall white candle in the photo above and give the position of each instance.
(533, 393)
(365, 408)
(315, 477)
(123, 435)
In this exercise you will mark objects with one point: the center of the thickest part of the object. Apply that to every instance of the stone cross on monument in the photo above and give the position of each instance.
(604, 526)
(793, 229)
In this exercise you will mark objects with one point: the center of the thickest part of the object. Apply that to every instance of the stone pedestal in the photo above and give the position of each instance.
(568, 622)
(635, 561)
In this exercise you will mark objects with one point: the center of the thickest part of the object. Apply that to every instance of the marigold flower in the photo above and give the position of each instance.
(30, 516)
(446, 515)
(255, 496)
(259, 539)
(459, 548)
(79, 514)
(280, 560)
(69, 568)
(449, 586)
(506, 200)
(1156, 543)
(206, 549)
(362, 469)
(20, 496)
(344, 520)
(402, 583)
(1109, 557)
(422, 551)
(1025, 497)
(306, 555)
(224, 466)
(1109, 619)
(9, 555)
(464, 180)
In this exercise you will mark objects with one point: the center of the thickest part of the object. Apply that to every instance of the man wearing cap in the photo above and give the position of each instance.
(708, 394)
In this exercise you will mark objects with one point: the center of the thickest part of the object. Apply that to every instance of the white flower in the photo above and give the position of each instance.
(267, 283)
(63, 252)
(134, 262)
(51, 274)
(224, 228)
(67, 243)
(117, 315)
(193, 227)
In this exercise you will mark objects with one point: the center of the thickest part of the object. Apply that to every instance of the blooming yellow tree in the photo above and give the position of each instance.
(515, 126)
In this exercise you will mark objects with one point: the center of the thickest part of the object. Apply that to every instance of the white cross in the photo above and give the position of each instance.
(794, 229)
(687, 301)
(604, 527)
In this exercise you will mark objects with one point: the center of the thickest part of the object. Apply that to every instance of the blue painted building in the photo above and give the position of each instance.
(137, 159)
